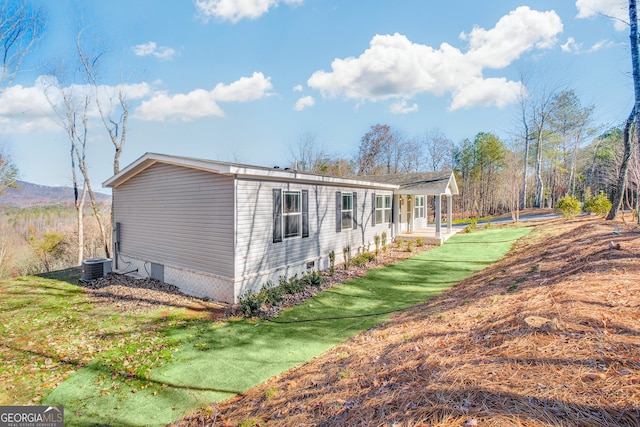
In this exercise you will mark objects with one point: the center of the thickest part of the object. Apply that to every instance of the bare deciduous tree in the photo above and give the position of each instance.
(540, 113)
(308, 155)
(113, 113)
(71, 105)
(439, 150)
(21, 29)
(71, 113)
(383, 150)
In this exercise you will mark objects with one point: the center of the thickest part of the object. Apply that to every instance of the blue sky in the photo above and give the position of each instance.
(242, 80)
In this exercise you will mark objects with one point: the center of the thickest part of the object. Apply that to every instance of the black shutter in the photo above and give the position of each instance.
(355, 210)
(338, 211)
(373, 209)
(277, 215)
(305, 213)
(394, 206)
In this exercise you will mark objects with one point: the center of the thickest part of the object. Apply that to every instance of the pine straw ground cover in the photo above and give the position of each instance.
(548, 336)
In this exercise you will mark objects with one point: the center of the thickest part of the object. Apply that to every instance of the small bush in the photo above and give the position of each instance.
(384, 240)
(399, 243)
(272, 293)
(251, 302)
(376, 240)
(568, 207)
(312, 278)
(409, 245)
(419, 241)
(346, 252)
(363, 259)
(599, 205)
(291, 286)
(332, 262)
(473, 224)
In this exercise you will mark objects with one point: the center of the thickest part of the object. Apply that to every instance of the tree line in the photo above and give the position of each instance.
(556, 150)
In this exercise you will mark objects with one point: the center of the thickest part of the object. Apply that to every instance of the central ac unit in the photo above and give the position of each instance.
(95, 268)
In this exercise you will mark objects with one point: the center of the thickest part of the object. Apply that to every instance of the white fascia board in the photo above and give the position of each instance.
(149, 159)
(284, 175)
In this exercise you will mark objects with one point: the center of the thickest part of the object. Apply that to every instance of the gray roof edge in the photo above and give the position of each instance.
(148, 159)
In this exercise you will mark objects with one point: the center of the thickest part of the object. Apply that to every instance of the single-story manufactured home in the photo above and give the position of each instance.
(216, 229)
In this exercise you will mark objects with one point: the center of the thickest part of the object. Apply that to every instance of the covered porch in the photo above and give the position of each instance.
(411, 208)
(415, 209)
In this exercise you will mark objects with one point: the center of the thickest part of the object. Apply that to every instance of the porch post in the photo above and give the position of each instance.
(449, 215)
(426, 211)
(438, 215)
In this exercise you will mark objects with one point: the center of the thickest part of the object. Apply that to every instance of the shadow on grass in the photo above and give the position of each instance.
(70, 275)
(214, 359)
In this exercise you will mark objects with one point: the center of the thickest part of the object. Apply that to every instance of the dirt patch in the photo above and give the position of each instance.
(128, 294)
(549, 335)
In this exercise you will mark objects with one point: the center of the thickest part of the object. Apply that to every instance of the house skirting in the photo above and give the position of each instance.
(190, 282)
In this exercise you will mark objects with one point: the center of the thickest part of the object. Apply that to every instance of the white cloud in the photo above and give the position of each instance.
(304, 102)
(202, 103)
(571, 46)
(401, 107)
(297, 88)
(602, 44)
(393, 67)
(236, 10)
(152, 49)
(615, 9)
(486, 92)
(519, 31)
(27, 109)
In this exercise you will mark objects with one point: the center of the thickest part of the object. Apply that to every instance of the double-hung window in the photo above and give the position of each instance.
(419, 207)
(382, 208)
(347, 210)
(291, 213)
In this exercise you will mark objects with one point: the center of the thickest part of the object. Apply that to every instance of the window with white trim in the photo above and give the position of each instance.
(347, 210)
(291, 213)
(419, 207)
(383, 208)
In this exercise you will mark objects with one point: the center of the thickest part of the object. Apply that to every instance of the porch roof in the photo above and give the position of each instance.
(427, 183)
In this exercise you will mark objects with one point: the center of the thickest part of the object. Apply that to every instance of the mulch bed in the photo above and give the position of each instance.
(548, 336)
(132, 294)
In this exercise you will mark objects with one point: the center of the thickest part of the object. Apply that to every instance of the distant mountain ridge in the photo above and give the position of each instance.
(28, 195)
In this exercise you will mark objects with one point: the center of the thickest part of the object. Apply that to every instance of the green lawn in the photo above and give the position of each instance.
(159, 368)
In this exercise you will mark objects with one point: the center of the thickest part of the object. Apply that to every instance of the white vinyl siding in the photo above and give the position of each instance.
(257, 254)
(177, 216)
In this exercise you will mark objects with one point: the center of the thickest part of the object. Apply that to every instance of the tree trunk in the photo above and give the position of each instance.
(79, 205)
(523, 204)
(622, 176)
(635, 63)
(540, 190)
